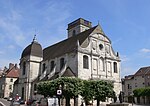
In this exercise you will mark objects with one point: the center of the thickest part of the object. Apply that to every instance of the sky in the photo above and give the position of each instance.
(125, 22)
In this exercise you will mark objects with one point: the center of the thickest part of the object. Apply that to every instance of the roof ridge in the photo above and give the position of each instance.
(70, 37)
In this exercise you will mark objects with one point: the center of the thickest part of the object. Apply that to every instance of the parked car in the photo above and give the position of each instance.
(9, 99)
(29, 102)
(15, 103)
(48, 102)
(22, 101)
(35, 103)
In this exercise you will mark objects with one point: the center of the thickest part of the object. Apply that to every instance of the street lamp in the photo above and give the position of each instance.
(59, 93)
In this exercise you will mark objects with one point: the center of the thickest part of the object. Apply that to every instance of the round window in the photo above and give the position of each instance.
(100, 46)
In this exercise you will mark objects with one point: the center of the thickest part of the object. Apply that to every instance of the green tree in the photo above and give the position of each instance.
(88, 90)
(71, 87)
(103, 89)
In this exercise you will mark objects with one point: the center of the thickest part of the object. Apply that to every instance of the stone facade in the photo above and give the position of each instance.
(138, 80)
(9, 76)
(86, 54)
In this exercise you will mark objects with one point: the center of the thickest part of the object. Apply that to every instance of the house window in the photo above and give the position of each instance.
(24, 68)
(74, 32)
(11, 80)
(115, 67)
(10, 87)
(52, 65)
(85, 62)
(128, 86)
(44, 67)
(62, 62)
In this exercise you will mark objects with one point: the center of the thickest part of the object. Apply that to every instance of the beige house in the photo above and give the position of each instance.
(7, 80)
(139, 80)
(87, 53)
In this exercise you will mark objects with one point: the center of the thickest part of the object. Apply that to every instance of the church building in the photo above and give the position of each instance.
(87, 53)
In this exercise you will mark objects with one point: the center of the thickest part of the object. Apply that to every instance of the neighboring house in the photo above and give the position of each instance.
(7, 80)
(139, 80)
(87, 53)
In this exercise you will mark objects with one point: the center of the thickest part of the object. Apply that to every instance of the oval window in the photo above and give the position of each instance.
(100, 46)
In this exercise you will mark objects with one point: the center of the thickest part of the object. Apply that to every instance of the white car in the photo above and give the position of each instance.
(9, 99)
(48, 102)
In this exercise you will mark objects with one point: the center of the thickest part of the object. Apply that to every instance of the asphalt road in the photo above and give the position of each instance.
(4, 102)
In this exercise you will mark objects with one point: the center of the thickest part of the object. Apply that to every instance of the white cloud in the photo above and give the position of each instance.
(124, 58)
(12, 30)
(144, 50)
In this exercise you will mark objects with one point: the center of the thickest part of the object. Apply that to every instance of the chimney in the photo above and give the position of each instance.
(11, 65)
(15, 66)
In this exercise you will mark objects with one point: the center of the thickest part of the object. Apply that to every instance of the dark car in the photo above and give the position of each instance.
(35, 103)
(30, 101)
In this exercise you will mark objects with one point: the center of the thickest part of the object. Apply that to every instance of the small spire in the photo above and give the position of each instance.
(98, 22)
(34, 38)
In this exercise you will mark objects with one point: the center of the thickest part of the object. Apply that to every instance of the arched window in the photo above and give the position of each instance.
(74, 32)
(44, 67)
(85, 62)
(52, 65)
(24, 68)
(62, 62)
(115, 67)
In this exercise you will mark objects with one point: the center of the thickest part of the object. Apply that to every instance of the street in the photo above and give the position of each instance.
(4, 102)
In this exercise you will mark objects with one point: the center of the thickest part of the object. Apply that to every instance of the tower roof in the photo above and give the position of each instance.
(34, 49)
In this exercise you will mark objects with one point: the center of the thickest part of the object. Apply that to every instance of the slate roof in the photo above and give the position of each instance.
(66, 46)
(34, 49)
(142, 71)
(129, 77)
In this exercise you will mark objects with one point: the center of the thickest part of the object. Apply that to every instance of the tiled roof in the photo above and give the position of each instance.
(13, 72)
(142, 71)
(67, 45)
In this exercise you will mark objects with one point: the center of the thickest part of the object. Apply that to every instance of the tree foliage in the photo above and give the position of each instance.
(142, 92)
(72, 87)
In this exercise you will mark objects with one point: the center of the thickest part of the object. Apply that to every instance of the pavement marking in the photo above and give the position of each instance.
(2, 103)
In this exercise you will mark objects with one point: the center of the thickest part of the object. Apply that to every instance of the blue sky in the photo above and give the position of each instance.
(125, 22)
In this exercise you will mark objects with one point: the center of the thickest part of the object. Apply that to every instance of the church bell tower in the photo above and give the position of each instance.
(78, 26)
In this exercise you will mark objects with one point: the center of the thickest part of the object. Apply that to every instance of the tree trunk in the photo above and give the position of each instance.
(67, 101)
(75, 101)
(98, 102)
